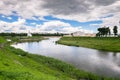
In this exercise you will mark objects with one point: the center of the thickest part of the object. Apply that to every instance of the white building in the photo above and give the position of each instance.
(29, 34)
(79, 33)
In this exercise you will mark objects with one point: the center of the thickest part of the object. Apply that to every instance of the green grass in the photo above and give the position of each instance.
(2, 40)
(100, 43)
(25, 39)
(16, 64)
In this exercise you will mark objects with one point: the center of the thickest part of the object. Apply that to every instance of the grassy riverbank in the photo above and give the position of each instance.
(100, 43)
(16, 64)
(25, 39)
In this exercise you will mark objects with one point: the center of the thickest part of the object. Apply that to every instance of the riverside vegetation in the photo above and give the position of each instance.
(100, 43)
(16, 64)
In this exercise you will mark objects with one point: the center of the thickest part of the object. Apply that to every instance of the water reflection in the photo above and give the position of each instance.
(100, 62)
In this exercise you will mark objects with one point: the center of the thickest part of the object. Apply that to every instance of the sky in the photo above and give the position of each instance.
(65, 16)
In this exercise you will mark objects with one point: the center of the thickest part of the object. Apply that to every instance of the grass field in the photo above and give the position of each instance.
(100, 43)
(16, 64)
(25, 39)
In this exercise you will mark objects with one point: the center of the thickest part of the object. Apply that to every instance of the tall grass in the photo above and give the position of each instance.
(2, 40)
(54, 67)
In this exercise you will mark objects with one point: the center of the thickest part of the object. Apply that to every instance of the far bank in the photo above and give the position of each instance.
(100, 43)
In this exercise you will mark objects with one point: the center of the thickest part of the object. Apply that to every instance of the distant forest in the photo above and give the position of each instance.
(33, 34)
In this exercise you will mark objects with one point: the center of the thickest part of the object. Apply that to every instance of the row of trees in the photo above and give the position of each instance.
(48, 34)
(33, 34)
(105, 31)
(13, 34)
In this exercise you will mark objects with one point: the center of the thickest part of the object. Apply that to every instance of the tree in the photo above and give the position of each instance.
(98, 34)
(107, 31)
(72, 34)
(115, 31)
(104, 31)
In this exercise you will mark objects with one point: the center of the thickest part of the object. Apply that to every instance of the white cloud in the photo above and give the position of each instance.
(58, 26)
(34, 23)
(9, 18)
(3, 16)
(17, 26)
(112, 21)
(79, 10)
(51, 27)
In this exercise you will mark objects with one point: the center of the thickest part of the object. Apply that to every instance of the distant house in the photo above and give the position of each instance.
(80, 33)
(29, 34)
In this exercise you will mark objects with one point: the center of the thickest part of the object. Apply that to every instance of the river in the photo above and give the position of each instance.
(91, 60)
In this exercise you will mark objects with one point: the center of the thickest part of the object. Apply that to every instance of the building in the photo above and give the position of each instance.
(29, 34)
(80, 33)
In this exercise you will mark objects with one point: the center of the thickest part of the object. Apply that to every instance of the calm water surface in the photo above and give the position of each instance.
(95, 61)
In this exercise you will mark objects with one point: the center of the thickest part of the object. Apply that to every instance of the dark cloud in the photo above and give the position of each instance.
(81, 10)
(104, 2)
(66, 7)
(114, 9)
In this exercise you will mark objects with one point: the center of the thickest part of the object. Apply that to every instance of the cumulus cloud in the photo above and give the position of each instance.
(112, 21)
(49, 27)
(9, 18)
(79, 10)
(17, 26)
(57, 26)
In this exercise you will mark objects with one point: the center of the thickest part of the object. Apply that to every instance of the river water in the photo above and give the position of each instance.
(91, 60)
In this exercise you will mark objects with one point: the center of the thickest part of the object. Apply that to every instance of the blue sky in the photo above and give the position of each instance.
(73, 23)
(58, 15)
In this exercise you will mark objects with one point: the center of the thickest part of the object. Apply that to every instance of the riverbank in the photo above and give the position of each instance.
(16, 64)
(100, 43)
(26, 39)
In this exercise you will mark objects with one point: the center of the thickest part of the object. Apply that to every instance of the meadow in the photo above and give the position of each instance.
(100, 43)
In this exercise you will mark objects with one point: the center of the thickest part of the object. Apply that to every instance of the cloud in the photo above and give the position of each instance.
(17, 26)
(112, 21)
(66, 7)
(104, 2)
(58, 26)
(49, 27)
(9, 18)
(3, 16)
(34, 23)
(80, 10)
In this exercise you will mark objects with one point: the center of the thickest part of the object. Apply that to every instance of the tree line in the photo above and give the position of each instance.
(33, 34)
(105, 31)
(13, 34)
